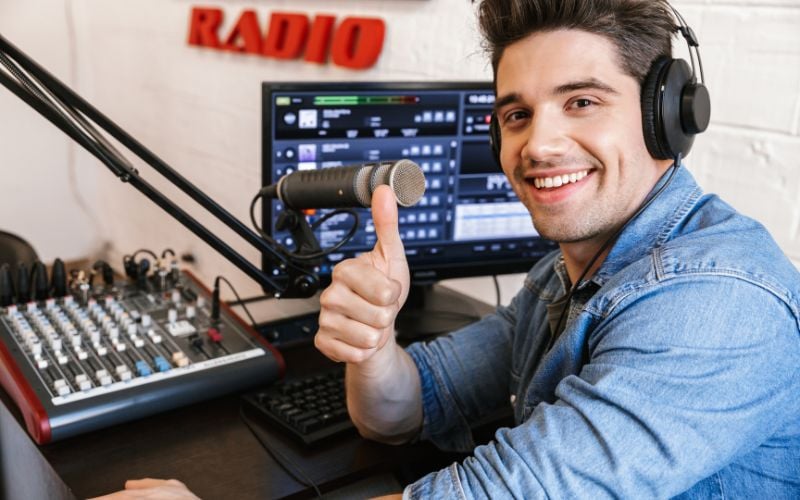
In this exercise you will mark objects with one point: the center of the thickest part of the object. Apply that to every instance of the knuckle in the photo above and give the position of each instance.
(385, 295)
(359, 356)
(383, 317)
(372, 339)
(340, 270)
(324, 323)
(326, 297)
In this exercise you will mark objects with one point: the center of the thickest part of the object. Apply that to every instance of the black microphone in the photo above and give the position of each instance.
(352, 186)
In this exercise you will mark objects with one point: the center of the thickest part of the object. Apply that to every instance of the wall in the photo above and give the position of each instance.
(200, 111)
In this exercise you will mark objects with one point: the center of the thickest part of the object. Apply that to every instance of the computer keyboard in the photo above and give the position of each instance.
(311, 408)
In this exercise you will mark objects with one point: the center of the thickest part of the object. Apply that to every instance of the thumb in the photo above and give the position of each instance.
(384, 216)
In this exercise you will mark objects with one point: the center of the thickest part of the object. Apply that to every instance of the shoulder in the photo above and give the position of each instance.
(712, 248)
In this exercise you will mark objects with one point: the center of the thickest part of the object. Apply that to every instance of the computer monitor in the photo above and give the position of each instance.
(468, 223)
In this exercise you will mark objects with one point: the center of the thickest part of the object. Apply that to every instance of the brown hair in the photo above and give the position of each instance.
(640, 29)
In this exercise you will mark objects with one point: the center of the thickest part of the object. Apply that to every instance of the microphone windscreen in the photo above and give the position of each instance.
(407, 181)
(404, 177)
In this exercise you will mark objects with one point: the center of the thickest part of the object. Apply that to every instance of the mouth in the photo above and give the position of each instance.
(557, 181)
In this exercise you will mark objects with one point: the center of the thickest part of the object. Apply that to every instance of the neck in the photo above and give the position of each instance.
(578, 255)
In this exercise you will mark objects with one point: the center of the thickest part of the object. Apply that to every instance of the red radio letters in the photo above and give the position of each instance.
(355, 43)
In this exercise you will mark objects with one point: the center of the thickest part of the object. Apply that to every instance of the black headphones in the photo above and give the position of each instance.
(675, 107)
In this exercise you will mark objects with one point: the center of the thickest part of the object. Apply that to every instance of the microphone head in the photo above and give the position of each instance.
(408, 182)
(404, 177)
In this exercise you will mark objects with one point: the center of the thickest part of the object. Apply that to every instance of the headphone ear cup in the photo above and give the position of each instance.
(494, 139)
(652, 124)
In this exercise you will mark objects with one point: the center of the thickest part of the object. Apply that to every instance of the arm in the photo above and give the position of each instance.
(678, 386)
(151, 489)
(356, 326)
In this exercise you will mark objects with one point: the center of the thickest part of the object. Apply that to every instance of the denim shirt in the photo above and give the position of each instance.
(677, 375)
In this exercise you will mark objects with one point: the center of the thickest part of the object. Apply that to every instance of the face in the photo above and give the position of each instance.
(571, 130)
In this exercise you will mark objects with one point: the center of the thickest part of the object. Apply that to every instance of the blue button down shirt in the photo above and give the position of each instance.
(678, 372)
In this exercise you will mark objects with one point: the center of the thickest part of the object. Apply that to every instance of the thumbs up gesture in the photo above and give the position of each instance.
(358, 309)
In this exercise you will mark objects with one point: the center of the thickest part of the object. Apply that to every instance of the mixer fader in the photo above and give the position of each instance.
(103, 354)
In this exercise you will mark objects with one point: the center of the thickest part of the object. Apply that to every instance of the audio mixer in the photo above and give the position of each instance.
(86, 356)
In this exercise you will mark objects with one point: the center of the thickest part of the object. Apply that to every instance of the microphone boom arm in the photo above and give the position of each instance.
(77, 124)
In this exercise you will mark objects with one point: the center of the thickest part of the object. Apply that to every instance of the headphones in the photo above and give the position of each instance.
(675, 107)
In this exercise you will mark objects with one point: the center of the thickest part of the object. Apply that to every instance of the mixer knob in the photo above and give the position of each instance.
(39, 281)
(58, 279)
(172, 315)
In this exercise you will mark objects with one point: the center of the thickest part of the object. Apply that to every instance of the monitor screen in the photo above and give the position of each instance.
(468, 223)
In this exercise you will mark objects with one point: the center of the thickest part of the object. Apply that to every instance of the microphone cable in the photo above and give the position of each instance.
(311, 256)
(555, 332)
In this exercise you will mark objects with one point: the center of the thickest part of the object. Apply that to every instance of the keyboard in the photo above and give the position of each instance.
(311, 408)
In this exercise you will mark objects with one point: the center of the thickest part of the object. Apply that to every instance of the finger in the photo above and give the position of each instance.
(341, 351)
(361, 276)
(384, 216)
(342, 300)
(135, 484)
(351, 332)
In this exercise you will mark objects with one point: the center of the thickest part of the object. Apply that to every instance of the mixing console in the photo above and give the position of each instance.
(103, 354)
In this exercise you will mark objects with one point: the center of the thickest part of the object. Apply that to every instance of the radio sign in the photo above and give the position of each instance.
(354, 43)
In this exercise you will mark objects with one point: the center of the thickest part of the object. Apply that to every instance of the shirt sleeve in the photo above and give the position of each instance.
(460, 379)
(683, 377)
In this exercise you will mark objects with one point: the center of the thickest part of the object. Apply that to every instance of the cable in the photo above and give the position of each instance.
(239, 299)
(312, 256)
(553, 333)
(285, 462)
(144, 250)
(496, 289)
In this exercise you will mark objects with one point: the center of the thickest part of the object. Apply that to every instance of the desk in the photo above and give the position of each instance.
(205, 445)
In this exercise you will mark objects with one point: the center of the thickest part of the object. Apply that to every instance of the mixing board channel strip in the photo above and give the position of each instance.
(82, 362)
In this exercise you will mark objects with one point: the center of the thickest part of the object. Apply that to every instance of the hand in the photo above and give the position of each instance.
(358, 309)
(152, 489)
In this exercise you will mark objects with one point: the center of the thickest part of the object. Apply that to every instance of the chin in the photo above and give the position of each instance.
(564, 234)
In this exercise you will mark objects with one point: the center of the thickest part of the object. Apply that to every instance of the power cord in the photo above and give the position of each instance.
(285, 462)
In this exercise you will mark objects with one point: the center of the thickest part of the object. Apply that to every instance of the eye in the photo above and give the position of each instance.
(514, 116)
(581, 103)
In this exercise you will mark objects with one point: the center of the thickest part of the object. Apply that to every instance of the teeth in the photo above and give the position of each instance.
(559, 180)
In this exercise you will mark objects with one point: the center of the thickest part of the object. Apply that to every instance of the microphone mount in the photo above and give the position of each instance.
(77, 118)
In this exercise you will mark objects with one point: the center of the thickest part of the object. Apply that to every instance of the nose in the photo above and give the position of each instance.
(546, 139)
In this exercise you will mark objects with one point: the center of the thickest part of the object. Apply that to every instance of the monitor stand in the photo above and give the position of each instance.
(433, 310)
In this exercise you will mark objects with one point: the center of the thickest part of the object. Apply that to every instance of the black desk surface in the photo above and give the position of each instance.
(205, 445)
(208, 447)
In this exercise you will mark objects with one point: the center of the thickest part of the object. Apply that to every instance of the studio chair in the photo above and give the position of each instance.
(14, 249)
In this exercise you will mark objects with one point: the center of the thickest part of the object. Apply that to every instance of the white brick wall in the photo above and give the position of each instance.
(199, 110)
(751, 152)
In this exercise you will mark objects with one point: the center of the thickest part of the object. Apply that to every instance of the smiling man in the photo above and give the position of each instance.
(656, 354)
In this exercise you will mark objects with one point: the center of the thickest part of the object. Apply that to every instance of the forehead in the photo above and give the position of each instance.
(544, 60)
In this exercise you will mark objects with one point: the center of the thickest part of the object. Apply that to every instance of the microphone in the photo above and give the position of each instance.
(351, 186)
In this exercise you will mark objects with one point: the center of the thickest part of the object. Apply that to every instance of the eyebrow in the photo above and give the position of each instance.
(566, 88)
(589, 83)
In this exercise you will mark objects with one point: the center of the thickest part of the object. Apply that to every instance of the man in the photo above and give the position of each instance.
(676, 367)
(672, 368)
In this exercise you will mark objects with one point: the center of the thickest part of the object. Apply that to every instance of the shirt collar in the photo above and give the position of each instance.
(653, 227)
